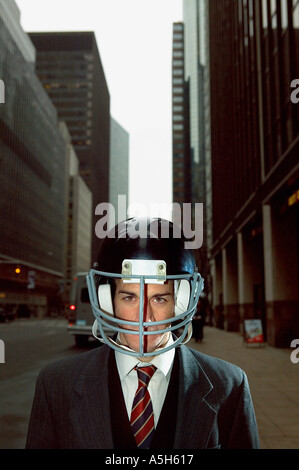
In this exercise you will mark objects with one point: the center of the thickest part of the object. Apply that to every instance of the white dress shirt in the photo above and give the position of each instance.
(158, 384)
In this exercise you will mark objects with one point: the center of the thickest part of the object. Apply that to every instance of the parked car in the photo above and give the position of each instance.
(6, 315)
(2, 315)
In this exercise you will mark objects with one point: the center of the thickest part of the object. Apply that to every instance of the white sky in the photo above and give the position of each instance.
(134, 38)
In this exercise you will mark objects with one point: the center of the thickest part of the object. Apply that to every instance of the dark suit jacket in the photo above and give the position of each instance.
(71, 404)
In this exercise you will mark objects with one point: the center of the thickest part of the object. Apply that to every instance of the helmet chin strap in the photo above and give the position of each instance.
(189, 335)
(110, 340)
(94, 331)
(127, 348)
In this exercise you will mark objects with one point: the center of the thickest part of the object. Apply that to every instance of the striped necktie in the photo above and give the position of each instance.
(142, 417)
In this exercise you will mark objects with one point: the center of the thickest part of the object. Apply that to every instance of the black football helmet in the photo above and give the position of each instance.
(144, 251)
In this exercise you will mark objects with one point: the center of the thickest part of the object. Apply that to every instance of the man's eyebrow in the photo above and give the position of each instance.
(136, 294)
(162, 295)
(126, 292)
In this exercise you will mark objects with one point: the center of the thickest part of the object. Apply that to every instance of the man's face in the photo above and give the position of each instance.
(158, 305)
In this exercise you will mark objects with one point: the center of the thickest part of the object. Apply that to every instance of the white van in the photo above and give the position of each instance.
(80, 316)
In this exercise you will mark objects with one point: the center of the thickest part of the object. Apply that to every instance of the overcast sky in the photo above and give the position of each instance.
(134, 38)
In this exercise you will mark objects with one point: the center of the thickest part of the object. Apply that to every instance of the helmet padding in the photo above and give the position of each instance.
(105, 298)
(182, 297)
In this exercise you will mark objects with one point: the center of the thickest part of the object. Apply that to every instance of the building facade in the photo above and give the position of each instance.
(70, 69)
(197, 74)
(78, 220)
(255, 170)
(181, 165)
(32, 178)
(119, 171)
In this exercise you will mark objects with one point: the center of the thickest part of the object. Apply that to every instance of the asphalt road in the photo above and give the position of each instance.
(29, 344)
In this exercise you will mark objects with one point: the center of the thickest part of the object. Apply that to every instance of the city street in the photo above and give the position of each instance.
(32, 343)
(29, 344)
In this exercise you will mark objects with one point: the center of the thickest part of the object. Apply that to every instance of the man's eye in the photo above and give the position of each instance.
(129, 298)
(159, 300)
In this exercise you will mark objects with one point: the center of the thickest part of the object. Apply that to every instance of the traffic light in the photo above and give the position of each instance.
(18, 270)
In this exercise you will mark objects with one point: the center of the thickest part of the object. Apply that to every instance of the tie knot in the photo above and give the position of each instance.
(145, 374)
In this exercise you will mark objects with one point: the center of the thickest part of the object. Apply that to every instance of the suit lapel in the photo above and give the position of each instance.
(91, 412)
(195, 416)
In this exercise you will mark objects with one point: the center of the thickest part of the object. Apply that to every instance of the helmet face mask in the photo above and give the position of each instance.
(145, 272)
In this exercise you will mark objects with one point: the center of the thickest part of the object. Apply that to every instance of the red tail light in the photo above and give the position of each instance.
(71, 315)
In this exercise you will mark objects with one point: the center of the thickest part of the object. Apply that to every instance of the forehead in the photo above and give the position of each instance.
(167, 287)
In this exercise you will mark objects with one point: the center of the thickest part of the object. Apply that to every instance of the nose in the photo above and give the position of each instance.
(148, 313)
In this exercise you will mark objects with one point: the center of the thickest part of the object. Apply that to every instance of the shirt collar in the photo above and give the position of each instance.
(125, 363)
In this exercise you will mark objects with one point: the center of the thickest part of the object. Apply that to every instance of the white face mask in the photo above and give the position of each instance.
(187, 289)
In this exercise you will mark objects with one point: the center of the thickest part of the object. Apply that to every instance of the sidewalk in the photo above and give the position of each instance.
(273, 380)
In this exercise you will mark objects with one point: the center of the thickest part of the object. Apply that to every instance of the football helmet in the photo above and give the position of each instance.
(144, 251)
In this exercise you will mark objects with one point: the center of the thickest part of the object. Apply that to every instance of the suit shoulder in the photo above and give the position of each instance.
(71, 367)
(217, 367)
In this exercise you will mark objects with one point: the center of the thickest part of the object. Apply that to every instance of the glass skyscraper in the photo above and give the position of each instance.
(32, 173)
(255, 147)
(197, 74)
(70, 69)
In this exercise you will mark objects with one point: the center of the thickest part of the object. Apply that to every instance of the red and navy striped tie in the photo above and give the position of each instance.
(142, 417)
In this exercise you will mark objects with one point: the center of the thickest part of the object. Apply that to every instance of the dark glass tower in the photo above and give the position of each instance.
(32, 179)
(70, 69)
(182, 185)
(255, 178)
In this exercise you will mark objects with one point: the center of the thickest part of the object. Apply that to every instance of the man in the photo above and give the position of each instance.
(144, 388)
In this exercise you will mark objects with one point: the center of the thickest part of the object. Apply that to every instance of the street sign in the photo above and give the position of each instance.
(253, 331)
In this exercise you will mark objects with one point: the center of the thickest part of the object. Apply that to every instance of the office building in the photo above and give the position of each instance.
(70, 69)
(119, 171)
(78, 220)
(255, 172)
(32, 178)
(196, 63)
(181, 165)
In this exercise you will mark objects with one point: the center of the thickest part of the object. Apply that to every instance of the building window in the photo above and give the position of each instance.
(177, 72)
(284, 14)
(178, 147)
(177, 99)
(178, 27)
(178, 63)
(178, 109)
(178, 81)
(296, 14)
(178, 137)
(179, 184)
(178, 53)
(179, 164)
(265, 14)
(178, 89)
